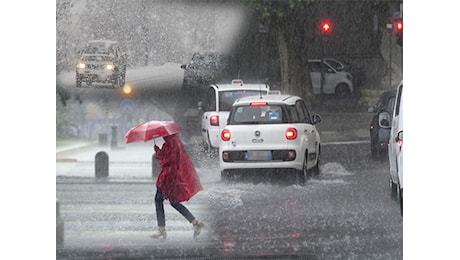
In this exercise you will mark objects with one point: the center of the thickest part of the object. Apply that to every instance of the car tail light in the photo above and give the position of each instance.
(291, 133)
(225, 135)
(400, 143)
(258, 104)
(214, 120)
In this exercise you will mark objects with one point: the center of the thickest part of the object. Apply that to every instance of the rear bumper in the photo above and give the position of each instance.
(296, 164)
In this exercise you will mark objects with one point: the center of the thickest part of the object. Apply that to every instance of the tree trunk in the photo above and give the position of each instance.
(295, 78)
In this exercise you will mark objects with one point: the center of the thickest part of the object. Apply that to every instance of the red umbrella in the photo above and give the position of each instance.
(151, 130)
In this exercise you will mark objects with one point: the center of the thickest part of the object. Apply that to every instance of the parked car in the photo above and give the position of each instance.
(217, 104)
(101, 62)
(337, 82)
(271, 133)
(379, 128)
(395, 149)
(338, 65)
(205, 68)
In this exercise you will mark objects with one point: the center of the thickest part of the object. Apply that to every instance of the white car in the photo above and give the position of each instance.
(395, 148)
(272, 133)
(217, 104)
(337, 82)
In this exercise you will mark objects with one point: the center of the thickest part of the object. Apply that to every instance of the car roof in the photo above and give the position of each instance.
(240, 85)
(271, 99)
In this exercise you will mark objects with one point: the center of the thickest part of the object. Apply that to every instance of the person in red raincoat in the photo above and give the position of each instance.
(177, 182)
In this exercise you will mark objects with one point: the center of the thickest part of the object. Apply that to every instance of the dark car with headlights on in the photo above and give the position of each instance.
(101, 63)
(380, 126)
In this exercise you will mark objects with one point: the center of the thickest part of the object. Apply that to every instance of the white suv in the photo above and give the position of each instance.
(337, 82)
(395, 148)
(273, 133)
(217, 104)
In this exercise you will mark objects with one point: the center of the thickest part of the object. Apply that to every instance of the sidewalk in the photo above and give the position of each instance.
(335, 127)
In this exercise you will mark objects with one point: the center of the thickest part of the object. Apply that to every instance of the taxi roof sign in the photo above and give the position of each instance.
(237, 81)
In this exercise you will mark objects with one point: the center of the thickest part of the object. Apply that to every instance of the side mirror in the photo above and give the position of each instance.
(400, 136)
(183, 66)
(316, 119)
(384, 120)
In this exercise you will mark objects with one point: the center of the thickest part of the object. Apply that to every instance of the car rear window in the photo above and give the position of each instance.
(268, 114)
(227, 98)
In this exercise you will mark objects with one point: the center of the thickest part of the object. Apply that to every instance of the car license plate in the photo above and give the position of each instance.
(258, 155)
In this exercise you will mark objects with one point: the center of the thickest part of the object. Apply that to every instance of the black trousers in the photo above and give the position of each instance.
(159, 199)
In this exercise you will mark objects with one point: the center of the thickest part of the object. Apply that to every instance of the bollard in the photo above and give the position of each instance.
(113, 143)
(155, 166)
(59, 226)
(102, 164)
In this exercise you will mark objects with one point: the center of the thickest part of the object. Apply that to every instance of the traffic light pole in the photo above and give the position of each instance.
(390, 62)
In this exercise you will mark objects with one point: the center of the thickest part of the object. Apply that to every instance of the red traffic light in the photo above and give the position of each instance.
(326, 27)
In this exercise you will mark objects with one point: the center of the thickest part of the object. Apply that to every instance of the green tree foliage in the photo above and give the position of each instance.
(294, 36)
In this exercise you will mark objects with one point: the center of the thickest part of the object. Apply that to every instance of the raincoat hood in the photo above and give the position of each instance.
(178, 179)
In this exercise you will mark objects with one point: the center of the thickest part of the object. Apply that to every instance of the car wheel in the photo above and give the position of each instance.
(373, 149)
(225, 176)
(393, 190)
(302, 175)
(401, 201)
(342, 91)
(315, 170)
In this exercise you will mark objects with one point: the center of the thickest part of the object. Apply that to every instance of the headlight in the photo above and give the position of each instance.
(109, 67)
(81, 65)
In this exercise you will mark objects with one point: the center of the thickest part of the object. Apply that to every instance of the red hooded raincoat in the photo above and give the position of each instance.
(178, 179)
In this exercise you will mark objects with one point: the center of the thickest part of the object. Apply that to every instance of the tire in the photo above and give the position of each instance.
(401, 201)
(225, 176)
(302, 175)
(342, 91)
(314, 171)
(393, 190)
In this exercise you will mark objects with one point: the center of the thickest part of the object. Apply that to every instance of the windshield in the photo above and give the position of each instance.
(98, 48)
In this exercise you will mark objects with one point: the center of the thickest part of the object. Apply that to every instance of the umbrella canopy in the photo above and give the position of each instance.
(151, 130)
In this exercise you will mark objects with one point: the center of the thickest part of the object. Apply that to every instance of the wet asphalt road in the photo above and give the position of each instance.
(344, 213)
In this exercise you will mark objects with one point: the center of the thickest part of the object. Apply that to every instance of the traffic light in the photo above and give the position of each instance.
(398, 29)
(326, 28)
